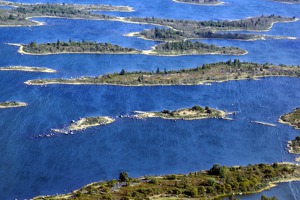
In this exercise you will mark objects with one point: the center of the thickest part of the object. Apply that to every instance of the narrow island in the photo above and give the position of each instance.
(288, 1)
(177, 48)
(28, 69)
(85, 123)
(12, 104)
(200, 2)
(207, 73)
(196, 112)
(217, 183)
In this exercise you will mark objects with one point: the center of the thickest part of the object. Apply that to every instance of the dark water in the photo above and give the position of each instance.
(31, 166)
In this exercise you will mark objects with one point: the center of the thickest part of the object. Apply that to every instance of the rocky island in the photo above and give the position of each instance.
(28, 69)
(207, 73)
(12, 104)
(200, 2)
(218, 182)
(292, 119)
(196, 112)
(85, 123)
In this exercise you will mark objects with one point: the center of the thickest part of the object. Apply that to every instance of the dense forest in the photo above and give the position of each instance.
(216, 183)
(189, 47)
(221, 71)
(75, 47)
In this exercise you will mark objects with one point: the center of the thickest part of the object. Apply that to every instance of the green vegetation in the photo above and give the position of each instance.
(196, 112)
(76, 47)
(218, 182)
(186, 47)
(294, 145)
(289, 1)
(12, 104)
(293, 118)
(200, 2)
(84, 123)
(221, 71)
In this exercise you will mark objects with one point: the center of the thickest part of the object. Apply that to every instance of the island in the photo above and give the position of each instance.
(288, 1)
(200, 2)
(292, 119)
(216, 183)
(176, 48)
(27, 69)
(196, 112)
(85, 123)
(205, 74)
(12, 104)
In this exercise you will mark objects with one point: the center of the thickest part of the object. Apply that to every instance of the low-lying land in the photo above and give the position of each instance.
(288, 1)
(215, 72)
(200, 2)
(12, 104)
(218, 182)
(85, 123)
(165, 49)
(294, 145)
(28, 69)
(292, 119)
(196, 112)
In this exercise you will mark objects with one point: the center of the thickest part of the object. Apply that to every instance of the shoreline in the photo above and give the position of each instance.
(202, 4)
(28, 69)
(16, 105)
(288, 123)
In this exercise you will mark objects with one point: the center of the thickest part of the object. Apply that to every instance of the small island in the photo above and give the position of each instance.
(12, 104)
(200, 2)
(218, 182)
(28, 69)
(85, 123)
(207, 73)
(288, 1)
(294, 145)
(196, 112)
(292, 119)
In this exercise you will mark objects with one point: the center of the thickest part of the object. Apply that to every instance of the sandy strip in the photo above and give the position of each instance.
(201, 4)
(20, 104)
(27, 69)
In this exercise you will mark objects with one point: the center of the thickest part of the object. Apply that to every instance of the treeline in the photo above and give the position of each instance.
(254, 23)
(75, 47)
(189, 47)
(216, 183)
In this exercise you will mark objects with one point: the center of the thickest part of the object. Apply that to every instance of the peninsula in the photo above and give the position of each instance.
(200, 2)
(165, 49)
(12, 104)
(85, 123)
(28, 69)
(207, 73)
(292, 119)
(218, 182)
(196, 112)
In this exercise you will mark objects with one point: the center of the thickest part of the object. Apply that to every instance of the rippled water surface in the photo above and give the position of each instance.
(31, 166)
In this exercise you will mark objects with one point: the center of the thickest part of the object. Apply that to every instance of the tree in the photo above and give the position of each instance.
(122, 72)
(123, 176)
(158, 71)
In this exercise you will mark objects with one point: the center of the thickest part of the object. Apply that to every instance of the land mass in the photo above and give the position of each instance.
(218, 182)
(288, 1)
(165, 49)
(292, 118)
(85, 123)
(196, 112)
(12, 104)
(200, 2)
(28, 69)
(207, 73)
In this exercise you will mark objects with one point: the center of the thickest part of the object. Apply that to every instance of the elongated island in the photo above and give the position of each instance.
(176, 48)
(200, 2)
(288, 1)
(196, 112)
(28, 69)
(207, 73)
(218, 182)
(12, 104)
(85, 123)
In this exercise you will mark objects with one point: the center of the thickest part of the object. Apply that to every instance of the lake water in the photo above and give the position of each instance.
(31, 166)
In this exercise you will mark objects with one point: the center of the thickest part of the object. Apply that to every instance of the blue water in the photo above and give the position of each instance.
(31, 166)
